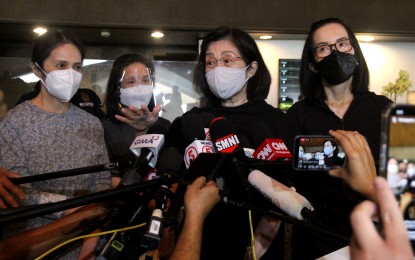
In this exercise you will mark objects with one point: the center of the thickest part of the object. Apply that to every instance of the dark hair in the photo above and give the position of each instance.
(310, 82)
(49, 41)
(112, 98)
(334, 144)
(258, 85)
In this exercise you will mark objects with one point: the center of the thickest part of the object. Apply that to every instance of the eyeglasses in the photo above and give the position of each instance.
(325, 50)
(137, 77)
(227, 59)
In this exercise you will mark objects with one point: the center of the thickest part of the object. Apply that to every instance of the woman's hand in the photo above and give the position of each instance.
(139, 118)
(10, 194)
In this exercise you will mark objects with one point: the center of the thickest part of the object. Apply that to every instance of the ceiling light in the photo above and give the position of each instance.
(105, 34)
(365, 38)
(157, 34)
(265, 37)
(40, 30)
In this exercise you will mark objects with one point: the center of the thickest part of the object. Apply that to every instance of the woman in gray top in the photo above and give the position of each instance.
(48, 134)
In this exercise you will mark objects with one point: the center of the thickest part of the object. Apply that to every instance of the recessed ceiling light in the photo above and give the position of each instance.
(157, 34)
(265, 37)
(40, 30)
(105, 34)
(365, 38)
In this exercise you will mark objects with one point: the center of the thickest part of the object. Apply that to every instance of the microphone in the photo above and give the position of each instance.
(194, 133)
(195, 148)
(288, 200)
(272, 150)
(206, 119)
(227, 143)
(223, 134)
(147, 148)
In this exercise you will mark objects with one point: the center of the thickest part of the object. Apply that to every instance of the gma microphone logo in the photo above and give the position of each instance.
(151, 139)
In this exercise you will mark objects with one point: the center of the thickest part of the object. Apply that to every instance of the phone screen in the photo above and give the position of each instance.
(319, 153)
(398, 160)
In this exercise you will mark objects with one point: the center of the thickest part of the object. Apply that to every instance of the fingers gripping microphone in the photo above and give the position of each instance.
(288, 200)
(194, 133)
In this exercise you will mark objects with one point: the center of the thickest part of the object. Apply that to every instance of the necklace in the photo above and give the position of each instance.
(341, 108)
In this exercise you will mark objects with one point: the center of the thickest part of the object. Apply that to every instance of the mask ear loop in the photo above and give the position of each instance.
(37, 65)
(40, 78)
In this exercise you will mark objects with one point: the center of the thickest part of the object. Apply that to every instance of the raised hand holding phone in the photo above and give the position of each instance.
(359, 169)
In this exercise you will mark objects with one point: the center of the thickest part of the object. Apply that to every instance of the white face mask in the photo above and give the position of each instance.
(410, 171)
(393, 168)
(62, 84)
(225, 82)
(136, 96)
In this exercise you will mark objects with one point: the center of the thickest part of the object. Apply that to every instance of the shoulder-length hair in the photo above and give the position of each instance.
(258, 86)
(310, 82)
(49, 41)
(112, 98)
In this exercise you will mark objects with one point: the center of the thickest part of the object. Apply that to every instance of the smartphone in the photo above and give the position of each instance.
(317, 153)
(397, 159)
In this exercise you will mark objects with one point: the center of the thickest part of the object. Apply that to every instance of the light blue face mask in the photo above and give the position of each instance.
(225, 82)
(328, 150)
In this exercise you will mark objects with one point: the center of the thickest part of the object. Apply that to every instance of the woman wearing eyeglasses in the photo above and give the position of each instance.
(334, 80)
(131, 108)
(232, 77)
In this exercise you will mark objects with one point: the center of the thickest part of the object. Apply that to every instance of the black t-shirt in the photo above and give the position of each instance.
(314, 117)
(226, 231)
(254, 120)
(330, 196)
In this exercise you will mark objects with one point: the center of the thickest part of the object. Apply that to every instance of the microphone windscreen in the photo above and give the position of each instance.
(192, 128)
(158, 129)
(244, 141)
(221, 127)
(280, 195)
(258, 133)
(206, 118)
(170, 160)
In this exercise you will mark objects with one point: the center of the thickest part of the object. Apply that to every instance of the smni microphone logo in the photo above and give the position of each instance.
(227, 144)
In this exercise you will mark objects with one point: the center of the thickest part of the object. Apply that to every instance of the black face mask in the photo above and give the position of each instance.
(337, 67)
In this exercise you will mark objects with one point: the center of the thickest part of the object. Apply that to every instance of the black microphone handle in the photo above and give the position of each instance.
(285, 218)
(64, 173)
(102, 196)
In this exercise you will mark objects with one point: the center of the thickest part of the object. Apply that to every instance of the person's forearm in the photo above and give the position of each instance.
(188, 246)
(265, 233)
(32, 243)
